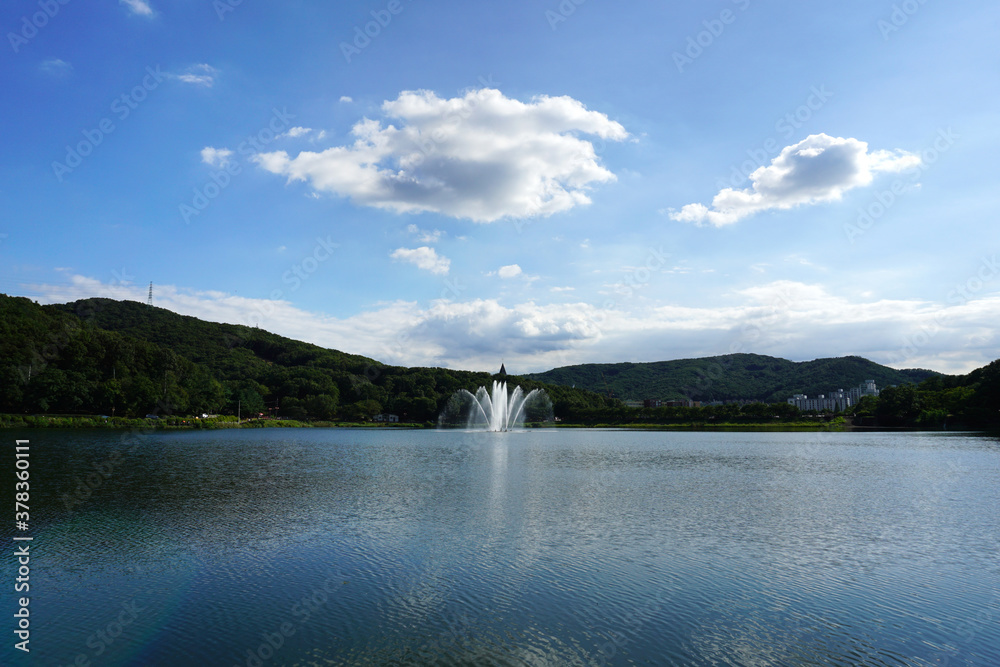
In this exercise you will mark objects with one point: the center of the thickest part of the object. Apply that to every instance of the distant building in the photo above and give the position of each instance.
(838, 401)
(657, 403)
(503, 371)
(387, 418)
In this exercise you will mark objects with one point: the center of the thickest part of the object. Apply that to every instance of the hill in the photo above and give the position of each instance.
(735, 376)
(123, 358)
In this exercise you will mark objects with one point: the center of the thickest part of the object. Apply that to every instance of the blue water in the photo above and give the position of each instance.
(569, 547)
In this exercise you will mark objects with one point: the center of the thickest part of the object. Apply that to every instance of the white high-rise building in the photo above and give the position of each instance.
(836, 402)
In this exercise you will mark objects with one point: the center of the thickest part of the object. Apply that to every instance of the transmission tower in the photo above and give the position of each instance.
(149, 301)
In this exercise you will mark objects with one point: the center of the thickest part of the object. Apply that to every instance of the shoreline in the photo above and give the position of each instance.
(178, 424)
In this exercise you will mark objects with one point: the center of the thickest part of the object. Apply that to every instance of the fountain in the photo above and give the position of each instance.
(493, 411)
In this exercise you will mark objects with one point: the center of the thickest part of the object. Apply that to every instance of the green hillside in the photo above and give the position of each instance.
(735, 376)
(124, 358)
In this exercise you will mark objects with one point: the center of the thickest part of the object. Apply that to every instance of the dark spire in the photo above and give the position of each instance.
(503, 371)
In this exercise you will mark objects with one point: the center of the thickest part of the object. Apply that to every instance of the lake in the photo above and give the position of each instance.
(547, 547)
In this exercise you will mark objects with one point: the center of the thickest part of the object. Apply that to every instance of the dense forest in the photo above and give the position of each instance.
(736, 376)
(126, 359)
(953, 402)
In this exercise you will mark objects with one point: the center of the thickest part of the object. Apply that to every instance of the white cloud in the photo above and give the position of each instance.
(215, 157)
(423, 258)
(307, 132)
(425, 236)
(562, 289)
(482, 157)
(785, 319)
(56, 67)
(346, 99)
(818, 169)
(140, 7)
(511, 271)
(199, 75)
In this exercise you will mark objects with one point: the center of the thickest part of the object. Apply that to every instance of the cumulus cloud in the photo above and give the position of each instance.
(215, 157)
(139, 7)
(346, 99)
(481, 157)
(511, 271)
(818, 169)
(199, 75)
(424, 258)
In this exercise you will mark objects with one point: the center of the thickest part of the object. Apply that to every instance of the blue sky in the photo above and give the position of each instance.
(540, 182)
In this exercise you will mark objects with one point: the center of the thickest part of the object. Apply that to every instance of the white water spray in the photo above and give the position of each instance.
(496, 411)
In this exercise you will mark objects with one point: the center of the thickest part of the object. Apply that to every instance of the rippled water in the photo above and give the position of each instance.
(340, 547)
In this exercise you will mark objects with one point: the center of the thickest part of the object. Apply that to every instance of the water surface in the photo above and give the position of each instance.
(388, 547)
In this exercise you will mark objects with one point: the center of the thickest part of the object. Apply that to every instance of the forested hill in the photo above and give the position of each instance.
(734, 376)
(124, 358)
(221, 347)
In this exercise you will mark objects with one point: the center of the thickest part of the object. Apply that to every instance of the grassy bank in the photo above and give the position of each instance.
(162, 423)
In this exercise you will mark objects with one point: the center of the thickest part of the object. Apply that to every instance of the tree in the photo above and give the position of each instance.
(865, 407)
(250, 402)
(323, 407)
(362, 410)
(898, 406)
